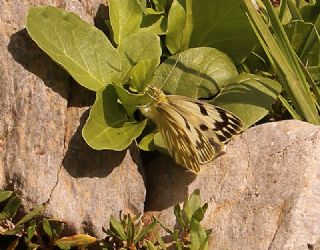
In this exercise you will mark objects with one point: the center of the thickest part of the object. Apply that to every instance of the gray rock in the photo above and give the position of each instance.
(43, 157)
(264, 193)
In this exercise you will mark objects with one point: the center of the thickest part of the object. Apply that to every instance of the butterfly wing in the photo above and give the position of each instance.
(211, 120)
(187, 144)
(195, 132)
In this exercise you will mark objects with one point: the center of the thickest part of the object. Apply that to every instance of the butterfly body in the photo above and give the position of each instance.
(194, 131)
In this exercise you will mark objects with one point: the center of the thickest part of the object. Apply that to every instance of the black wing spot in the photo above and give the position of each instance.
(231, 130)
(223, 115)
(220, 125)
(221, 138)
(202, 109)
(226, 134)
(203, 127)
(234, 126)
(236, 121)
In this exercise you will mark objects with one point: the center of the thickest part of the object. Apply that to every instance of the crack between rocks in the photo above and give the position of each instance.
(64, 149)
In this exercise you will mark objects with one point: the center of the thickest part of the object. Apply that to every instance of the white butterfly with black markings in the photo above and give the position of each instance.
(195, 132)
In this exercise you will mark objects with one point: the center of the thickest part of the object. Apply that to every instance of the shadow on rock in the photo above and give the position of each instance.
(100, 19)
(82, 161)
(167, 183)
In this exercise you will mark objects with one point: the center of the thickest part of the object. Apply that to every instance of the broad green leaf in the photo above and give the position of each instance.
(83, 50)
(136, 48)
(117, 228)
(197, 73)
(142, 73)
(179, 26)
(36, 211)
(10, 208)
(249, 96)
(198, 236)
(192, 204)
(74, 241)
(107, 126)
(125, 18)
(222, 25)
(154, 23)
(4, 195)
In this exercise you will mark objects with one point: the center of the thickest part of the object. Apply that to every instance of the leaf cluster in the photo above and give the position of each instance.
(28, 233)
(147, 39)
(129, 232)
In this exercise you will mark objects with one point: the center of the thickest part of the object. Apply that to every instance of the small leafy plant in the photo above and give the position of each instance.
(130, 233)
(27, 233)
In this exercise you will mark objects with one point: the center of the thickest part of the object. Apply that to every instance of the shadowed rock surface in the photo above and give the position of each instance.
(264, 193)
(43, 157)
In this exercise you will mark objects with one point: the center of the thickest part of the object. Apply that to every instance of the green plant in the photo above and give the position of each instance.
(293, 50)
(30, 234)
(191, 235)
(120, 68)
(130, 233)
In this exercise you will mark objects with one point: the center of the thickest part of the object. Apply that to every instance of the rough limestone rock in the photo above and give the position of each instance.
(264, 193)
(42, 111)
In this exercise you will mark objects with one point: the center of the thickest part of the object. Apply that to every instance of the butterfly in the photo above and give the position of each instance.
(195, 132)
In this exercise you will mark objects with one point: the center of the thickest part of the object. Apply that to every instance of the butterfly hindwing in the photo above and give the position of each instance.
(210, 119)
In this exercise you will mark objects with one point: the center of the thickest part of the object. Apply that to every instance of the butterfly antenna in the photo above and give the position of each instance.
(174, 65)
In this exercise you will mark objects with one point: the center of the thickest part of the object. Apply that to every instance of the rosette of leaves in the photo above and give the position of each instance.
(119, 68)
(27, 233)
(128, 232)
